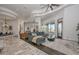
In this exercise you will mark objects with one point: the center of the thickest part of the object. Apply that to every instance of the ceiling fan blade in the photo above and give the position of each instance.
(51, 7)
(55, 5)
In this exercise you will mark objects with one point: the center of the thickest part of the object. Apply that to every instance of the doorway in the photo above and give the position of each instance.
(59, 28)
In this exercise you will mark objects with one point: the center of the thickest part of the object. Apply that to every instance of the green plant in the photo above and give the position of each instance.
(77, 27)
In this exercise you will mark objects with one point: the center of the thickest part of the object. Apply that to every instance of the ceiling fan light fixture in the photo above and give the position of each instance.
(49, 7)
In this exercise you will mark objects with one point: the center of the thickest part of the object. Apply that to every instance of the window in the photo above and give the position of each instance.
(51, 27)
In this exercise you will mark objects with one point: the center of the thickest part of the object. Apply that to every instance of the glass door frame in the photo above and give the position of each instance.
(60, 21)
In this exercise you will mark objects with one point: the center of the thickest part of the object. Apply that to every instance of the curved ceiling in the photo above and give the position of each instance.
(14, 11)
(17, 10)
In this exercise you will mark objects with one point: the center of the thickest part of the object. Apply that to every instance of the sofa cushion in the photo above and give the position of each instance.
(40, 33)
(1, 43)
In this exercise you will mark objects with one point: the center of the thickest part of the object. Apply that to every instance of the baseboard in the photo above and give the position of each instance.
(70, 39)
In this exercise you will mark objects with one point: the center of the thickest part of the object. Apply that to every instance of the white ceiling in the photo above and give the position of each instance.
(14, 11)
(17, 10)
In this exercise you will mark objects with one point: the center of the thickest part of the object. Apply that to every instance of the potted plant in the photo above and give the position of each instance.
(78, 32)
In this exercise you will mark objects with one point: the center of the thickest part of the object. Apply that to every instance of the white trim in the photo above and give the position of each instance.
(8, 10)
(43, 14)
(7, 14)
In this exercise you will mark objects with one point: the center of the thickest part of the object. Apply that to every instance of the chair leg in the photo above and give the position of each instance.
(0, 51)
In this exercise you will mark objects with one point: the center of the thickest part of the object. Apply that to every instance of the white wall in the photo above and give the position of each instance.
(53, 17)
(38, 20)
(32, 25)
(71, 18)
(14, 24)
(1, 23)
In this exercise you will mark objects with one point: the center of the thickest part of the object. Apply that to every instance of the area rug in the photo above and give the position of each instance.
(60, 45)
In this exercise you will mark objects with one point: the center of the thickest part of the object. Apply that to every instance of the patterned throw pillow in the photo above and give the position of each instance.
(34, 34)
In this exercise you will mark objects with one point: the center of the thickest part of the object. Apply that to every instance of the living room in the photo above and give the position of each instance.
(41, 26)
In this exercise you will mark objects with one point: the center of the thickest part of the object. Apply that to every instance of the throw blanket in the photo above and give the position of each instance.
(35, 38)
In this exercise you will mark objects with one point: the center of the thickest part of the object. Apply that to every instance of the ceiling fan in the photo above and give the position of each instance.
(49, 6)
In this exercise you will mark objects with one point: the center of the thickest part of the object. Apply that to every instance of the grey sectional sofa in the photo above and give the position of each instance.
(39, 40)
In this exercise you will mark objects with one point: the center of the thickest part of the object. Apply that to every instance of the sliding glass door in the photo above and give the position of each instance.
(59, 28)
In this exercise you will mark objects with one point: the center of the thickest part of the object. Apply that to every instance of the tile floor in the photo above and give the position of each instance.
(15, 46)
(19, 47)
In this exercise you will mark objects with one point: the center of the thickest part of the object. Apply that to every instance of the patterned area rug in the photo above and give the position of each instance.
(64, 46)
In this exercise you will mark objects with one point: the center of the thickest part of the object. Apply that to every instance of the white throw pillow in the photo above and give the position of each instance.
(34, 34)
